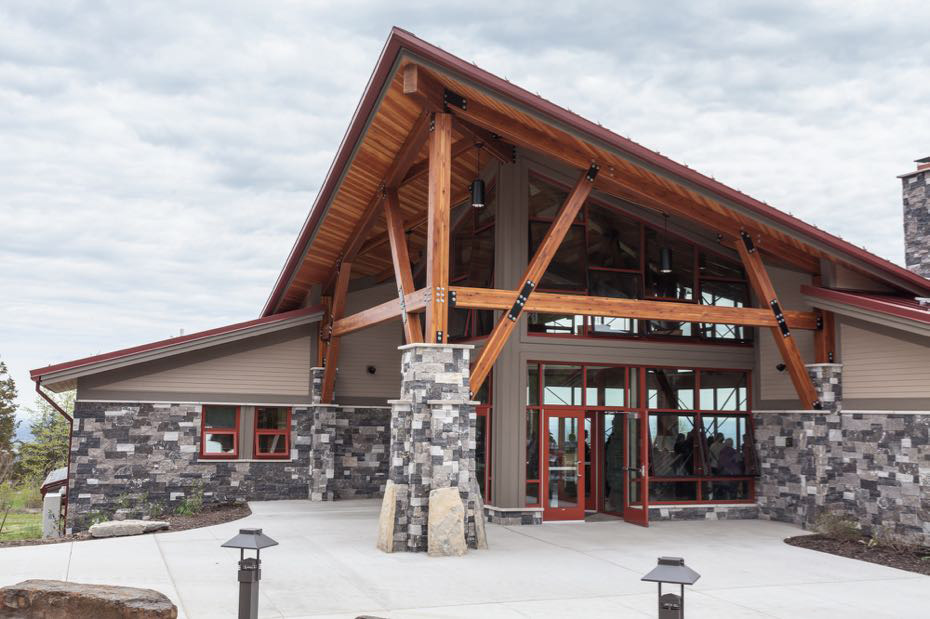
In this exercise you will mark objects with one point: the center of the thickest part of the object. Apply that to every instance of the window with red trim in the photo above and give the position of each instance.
(272, 432)
(219, 431)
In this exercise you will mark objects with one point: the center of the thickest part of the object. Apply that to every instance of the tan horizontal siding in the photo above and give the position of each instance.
(876, 365)
(274, 364)
(375, 346)
(777, 385)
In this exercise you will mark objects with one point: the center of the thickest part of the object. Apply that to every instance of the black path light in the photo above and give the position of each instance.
(672, 570)
(249, 568)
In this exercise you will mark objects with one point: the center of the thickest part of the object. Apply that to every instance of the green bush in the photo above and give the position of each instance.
(192, 504)
(837, 526)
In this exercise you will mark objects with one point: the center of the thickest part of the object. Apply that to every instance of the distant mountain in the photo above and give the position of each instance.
(22, 432)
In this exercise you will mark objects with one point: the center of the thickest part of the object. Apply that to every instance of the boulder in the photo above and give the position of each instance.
(446, 524)
(386, 519)
(118, 528)
(54, 599)
(481, 534)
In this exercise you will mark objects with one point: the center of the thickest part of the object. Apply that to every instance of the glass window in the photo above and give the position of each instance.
(678, 284)
(272, 432)
(724, 391)
(532, 385)
(567, 270)
(532, 456)
(565, 324)
(730, 446)
(605, 386)
(670, 389)
(613, 240)
(487, 215)
(546, 199)
(725, 294)
(672, 491)
(736, 490)
(675, 446)
(562, 385)
(220, 432)
(712, 265)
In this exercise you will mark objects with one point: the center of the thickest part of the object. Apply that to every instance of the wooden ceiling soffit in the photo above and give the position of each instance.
(395, 174)
(615, 180)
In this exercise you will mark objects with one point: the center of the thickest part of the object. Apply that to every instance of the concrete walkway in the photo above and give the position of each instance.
(327, 567)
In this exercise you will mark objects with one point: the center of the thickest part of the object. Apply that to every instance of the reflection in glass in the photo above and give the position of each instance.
(272, 444)
(672, 491)
(613, 240)
(605, 386)
(567, 269)
(546, 198)
(670, 388)
(724, 391)
(725, 294)
(736, 490)
(219, 444)
(730, 446)
(613, 462)
(677, 285)
(216, 416)
(562, 385)
(634, 460)
(563, 324)
(675, 445)
(480, 453)
(532, 445)
(563, 462)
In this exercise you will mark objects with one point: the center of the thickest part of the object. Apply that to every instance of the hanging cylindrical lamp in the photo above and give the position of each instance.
(665, 254)
(477, 185)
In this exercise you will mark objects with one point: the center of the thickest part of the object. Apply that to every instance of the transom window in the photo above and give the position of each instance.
(220, 432)
(608, 253)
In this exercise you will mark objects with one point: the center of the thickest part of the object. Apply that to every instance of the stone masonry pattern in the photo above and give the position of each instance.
(872, 468)
(917, 222)
(432, 441)
(350, 452)
(129, 456)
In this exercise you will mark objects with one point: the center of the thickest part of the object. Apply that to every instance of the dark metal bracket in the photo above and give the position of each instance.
(747, 241)
(452, 298)
(454, 99)
(439, 337)
(780, 318)
(525, 292)
(592, 172)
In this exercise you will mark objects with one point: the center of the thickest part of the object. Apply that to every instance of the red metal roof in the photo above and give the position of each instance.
(402, 40)
(902, 307)
(174, 341)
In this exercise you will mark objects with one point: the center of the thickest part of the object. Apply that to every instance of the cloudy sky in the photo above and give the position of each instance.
(157, 159)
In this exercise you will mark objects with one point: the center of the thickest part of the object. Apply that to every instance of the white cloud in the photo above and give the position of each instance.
(157, 159)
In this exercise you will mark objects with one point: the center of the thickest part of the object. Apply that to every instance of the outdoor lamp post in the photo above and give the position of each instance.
(674, 571)
(249, 568)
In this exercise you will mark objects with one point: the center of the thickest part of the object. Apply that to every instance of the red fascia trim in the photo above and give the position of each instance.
(124, 352)
(401, 39)
(886, 305)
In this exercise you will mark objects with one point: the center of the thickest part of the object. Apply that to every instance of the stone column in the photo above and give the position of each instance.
(916, 190)
(322, 451)
(432, 450)
(827, 379)
(316, 384)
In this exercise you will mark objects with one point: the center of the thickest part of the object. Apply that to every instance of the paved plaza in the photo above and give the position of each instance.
(327, 567)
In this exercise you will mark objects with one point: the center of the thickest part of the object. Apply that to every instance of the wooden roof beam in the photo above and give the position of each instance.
(420, 84)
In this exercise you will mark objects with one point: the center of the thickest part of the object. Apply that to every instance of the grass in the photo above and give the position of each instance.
(25, 518)
(21, 526)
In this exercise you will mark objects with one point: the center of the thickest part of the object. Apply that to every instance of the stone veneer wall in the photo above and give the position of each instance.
(350, 452)
(916, 189)
(124, 455)
(874, 468)
(704, 512)
(432, 444)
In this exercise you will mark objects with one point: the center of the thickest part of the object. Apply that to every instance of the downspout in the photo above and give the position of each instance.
(61, 411)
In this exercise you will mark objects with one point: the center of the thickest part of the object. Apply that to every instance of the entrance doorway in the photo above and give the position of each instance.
(563, 444)
(613, 467)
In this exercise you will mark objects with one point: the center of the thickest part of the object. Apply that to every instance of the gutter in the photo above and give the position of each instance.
(64, 523)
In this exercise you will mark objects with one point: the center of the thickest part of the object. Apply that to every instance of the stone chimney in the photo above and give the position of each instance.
(917, 218)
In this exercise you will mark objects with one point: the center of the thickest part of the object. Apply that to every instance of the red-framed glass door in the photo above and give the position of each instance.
(636, 470)
(563, 474)
(593, 466)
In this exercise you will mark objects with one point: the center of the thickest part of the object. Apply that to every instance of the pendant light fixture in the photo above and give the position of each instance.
(665, 254)
(477, 185)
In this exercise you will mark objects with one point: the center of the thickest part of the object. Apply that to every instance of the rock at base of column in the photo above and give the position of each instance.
(386, 519)
(446, 525)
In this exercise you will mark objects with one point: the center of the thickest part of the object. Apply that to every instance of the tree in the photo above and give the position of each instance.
(8, 421)
(48, 449)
